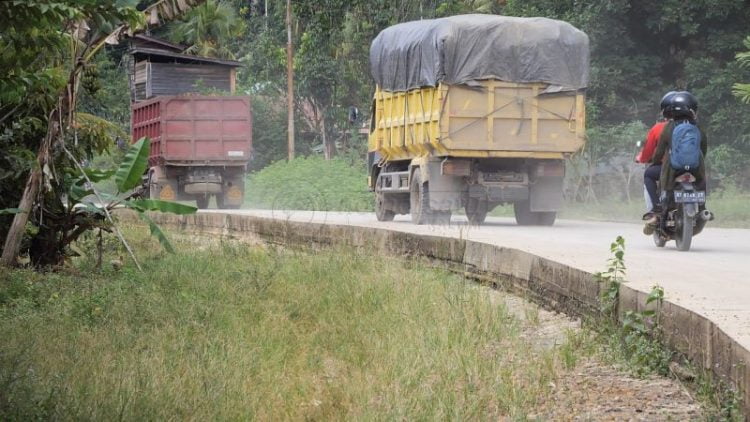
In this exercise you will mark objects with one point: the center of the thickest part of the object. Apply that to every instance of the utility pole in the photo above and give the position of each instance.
(289, 80)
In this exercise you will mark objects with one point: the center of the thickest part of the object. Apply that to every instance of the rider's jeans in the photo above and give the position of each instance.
(650, 178)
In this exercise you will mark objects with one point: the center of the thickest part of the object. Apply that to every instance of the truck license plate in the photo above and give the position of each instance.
(682, 197)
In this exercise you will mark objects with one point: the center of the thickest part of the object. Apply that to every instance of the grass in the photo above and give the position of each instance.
(227, 331)
(310, 183)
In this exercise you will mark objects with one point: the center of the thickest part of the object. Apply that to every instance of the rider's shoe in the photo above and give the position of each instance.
(651, 219)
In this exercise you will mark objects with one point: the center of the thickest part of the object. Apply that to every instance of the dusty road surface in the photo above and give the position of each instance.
(713, 278)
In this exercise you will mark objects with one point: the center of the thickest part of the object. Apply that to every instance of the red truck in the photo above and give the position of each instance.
(200, 147)
(200, 144)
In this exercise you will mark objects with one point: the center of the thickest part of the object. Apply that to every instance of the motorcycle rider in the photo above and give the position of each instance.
(646, 156)
(682, 107)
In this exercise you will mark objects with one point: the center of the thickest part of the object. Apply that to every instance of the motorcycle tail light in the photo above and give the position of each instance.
(685, 178)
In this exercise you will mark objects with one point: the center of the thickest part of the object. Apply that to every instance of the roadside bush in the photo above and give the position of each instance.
(310, 183)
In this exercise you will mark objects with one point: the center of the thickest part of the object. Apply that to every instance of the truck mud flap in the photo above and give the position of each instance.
(546, 194)
(445, 191)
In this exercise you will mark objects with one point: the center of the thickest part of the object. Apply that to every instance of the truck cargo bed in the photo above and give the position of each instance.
(493, 119)
(195, 130)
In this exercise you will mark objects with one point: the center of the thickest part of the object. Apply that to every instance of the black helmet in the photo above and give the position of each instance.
(665, 100)
(682, 104)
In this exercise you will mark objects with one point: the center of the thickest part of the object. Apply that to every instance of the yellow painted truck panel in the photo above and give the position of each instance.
(493, 119)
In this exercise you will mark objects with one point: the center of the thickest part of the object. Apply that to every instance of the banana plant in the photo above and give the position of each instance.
(86, 209)
(129, 181)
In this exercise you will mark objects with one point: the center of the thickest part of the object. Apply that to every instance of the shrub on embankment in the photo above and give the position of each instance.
(310, 183)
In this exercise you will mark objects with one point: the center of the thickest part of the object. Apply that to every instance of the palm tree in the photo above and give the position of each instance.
(742, 91)
(209, 29)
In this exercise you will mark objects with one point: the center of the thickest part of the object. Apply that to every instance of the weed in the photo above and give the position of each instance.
(613, 278)
(637, 338)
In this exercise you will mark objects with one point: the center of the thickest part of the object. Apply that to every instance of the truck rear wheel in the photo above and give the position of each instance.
(441, 217)
(151, 189)
(220, 203)
(526, 217)
(476, 211)
(202, 202)
(546, 218)
(420, 200)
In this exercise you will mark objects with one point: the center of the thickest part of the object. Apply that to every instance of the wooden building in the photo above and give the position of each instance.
(162, 68)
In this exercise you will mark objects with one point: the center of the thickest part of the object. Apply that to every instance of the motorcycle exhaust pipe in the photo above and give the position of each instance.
(706, 215)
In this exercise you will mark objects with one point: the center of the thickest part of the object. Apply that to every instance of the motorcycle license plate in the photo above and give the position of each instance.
(682, 197)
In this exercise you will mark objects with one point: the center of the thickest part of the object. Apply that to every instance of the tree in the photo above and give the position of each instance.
(46, 47)
(742, 90)
(209, 29)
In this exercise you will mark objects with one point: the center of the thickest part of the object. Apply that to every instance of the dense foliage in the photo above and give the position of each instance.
(48, 56)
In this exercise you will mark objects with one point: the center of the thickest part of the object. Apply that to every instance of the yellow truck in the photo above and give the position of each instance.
(474, 111)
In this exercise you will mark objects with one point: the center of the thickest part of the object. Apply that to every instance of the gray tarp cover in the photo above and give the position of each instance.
(467, 48)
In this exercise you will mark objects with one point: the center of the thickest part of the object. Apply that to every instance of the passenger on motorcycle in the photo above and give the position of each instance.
(681, 108)
(646, 156)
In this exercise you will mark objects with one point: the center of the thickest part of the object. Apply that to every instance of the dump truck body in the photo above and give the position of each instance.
(494, 119)
(475, 111)
(476, 147)
(200, 146)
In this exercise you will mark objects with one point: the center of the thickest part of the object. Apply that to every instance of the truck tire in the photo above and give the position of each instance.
(526, 217)
(201, 202)
(381, 212)
(442, 218)
(546, 218)
(419, 197)
(151, 188)
(476, 211)
(222, 206)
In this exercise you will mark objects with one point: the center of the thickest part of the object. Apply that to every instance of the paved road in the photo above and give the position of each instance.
(713, 278)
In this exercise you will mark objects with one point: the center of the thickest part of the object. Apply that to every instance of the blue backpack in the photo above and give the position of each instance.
(685, 151)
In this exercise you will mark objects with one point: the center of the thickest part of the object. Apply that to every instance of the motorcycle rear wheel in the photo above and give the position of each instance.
(684, 233)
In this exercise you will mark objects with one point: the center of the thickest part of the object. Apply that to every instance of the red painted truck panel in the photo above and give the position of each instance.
(195, 130)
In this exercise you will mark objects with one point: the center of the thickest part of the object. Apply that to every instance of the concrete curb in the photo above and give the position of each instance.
(555, 285)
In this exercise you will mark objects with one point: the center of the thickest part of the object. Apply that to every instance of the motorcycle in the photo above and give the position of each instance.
(685, 216)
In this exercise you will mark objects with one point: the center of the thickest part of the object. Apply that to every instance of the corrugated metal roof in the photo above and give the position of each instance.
(158, 41)
(182, 57)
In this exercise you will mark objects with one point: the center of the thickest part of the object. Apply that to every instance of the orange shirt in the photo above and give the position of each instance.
(652, 140)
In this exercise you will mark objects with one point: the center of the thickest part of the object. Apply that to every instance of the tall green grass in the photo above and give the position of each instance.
(310, 183)
(226, 331)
